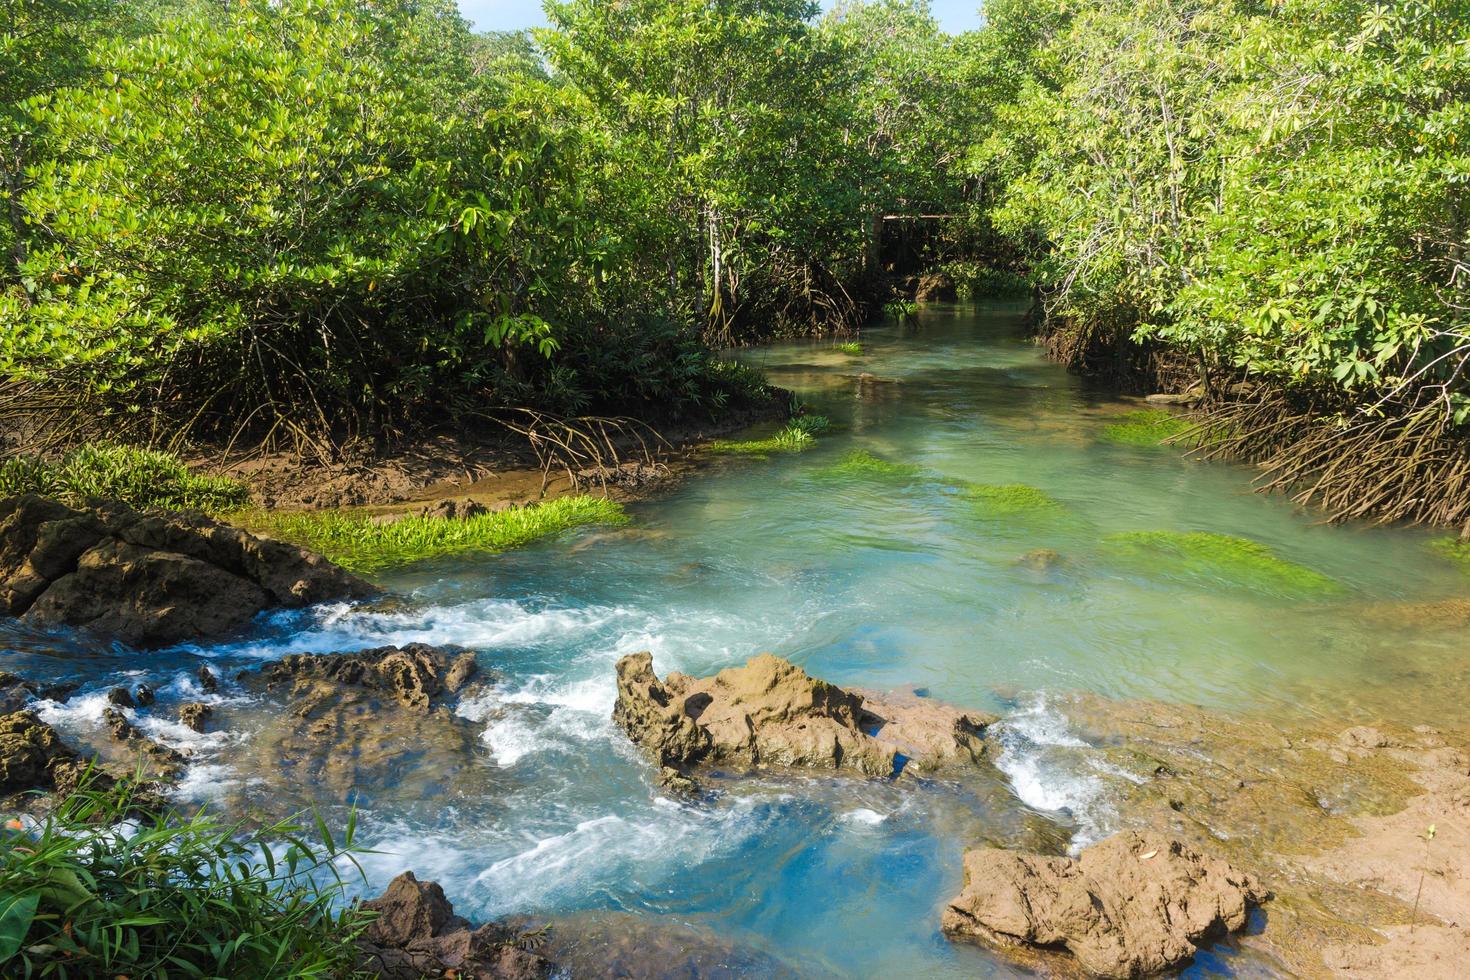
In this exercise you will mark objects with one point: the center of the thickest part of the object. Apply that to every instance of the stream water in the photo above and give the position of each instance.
(873, 583)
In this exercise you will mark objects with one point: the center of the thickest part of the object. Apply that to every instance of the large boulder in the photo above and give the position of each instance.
(30, 753)
(151, 579)
(372, 722)
(935, 287)
(416, 934)
(1132, 905)
(772, 713)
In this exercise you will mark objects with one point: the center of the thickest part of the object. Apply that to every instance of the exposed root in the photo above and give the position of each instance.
(586, 448)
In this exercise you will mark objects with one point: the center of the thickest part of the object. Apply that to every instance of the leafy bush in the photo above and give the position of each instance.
(92, 892)
(137, 477)
(355, 541)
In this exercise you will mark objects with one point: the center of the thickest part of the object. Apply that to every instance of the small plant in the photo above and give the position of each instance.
(1146, 427)
(1428, 838)
(137, 477)
(852, 347)
(794, 436)
(863, 465)
(354, 541)
(900, 309)
(83, 894)
(1218, 557)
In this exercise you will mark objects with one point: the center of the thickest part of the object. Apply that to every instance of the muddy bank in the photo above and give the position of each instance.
(490, 468)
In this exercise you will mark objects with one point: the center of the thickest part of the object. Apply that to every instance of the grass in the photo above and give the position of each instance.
(172, 896)
(793, 437)
(1009, 500)
(353, 541)
(137, 477)
(1218, 557)
(1146, 427)
(863, 465)
(849, 347)
(900, 309)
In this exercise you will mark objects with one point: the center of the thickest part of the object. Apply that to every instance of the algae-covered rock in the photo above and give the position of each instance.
(1010, 501)
(772, 713)
(863, 465)
(1146, 427)
(1133, 905)
(1217, 559)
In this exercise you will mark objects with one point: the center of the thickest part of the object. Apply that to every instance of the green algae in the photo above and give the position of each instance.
(1453, 550)
(1234, 561)
(1146, 427)
(863, 465)
(1010, 500)
(355, 541)
(798, 434)
(849, 347)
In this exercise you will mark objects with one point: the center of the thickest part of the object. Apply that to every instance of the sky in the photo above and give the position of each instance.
(509, 15)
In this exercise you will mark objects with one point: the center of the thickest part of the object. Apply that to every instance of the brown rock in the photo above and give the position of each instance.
(935, 287)
(194, 714)
(30, 752)
(771, 713)
(416, 934)
(1133, 905)
(148, 579)
(208, 683)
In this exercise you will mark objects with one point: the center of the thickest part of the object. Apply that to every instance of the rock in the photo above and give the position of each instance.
(416, 934)
(194, 714)
(454, 510)
(372, 721)
(1040, 560)
(1183, 399)
(461, 672)
(30, 753)
(208, 683)
(119, 697)
(935, 287)
(143, 695)
(16, 692)
(1133, 905)
(163, 761)
(150, 579)
(771, 713)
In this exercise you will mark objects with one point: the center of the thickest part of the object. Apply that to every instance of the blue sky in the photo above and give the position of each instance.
(506, 15)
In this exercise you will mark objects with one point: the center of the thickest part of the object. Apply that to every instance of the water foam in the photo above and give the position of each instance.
(1051, 769)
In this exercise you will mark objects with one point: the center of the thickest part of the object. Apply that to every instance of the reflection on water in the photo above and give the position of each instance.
(877, 582)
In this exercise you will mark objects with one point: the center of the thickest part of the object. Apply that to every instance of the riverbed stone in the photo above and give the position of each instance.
(147, 579)
(30, 752)
(416, 934)
(770, 712)
(1133, 905)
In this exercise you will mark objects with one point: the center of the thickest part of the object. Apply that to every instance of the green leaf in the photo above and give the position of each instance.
(16, 914)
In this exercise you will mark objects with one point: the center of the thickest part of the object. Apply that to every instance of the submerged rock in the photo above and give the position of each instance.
(150, 579)
(771, 713)
(194, 714)
(1133, 905)
(416, 934)
(30, 753)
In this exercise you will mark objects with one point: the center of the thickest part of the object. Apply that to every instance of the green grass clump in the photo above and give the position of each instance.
(1218, 557)
(849, 347)
(355, 542)
(900, 309)
(1147, 427)
(137, 477)
(863, 465)
(1008, 500)
(182, 895)
(793, 437)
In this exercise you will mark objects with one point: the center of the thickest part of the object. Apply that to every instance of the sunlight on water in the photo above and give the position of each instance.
(901, 579)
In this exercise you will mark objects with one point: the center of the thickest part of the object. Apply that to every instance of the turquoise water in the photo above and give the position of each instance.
(870, 582)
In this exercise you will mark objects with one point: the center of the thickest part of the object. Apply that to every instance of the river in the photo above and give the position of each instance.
(877, 583)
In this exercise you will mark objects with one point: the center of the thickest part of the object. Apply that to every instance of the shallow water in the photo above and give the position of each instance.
(876, 583)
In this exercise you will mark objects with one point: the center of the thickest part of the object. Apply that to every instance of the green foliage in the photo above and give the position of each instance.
(1146, 427)
(1455, 550)
(851, 347)
(356, 542)
(863, 465)
(1216, 558)
(900, 309)
(83, 895)
(1010, 500)
(794, 436)
(978, 280)
(137, 477)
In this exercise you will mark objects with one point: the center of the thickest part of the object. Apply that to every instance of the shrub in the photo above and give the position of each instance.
(85, 894)
(354, 541)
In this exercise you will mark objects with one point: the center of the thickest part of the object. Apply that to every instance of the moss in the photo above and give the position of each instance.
(849, 347)
(794, 436)
(354, 541)
(1147, 427)
(863, 465)
(1218, 557)
(1009, 500)
(137, 477)
(1455, 550)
